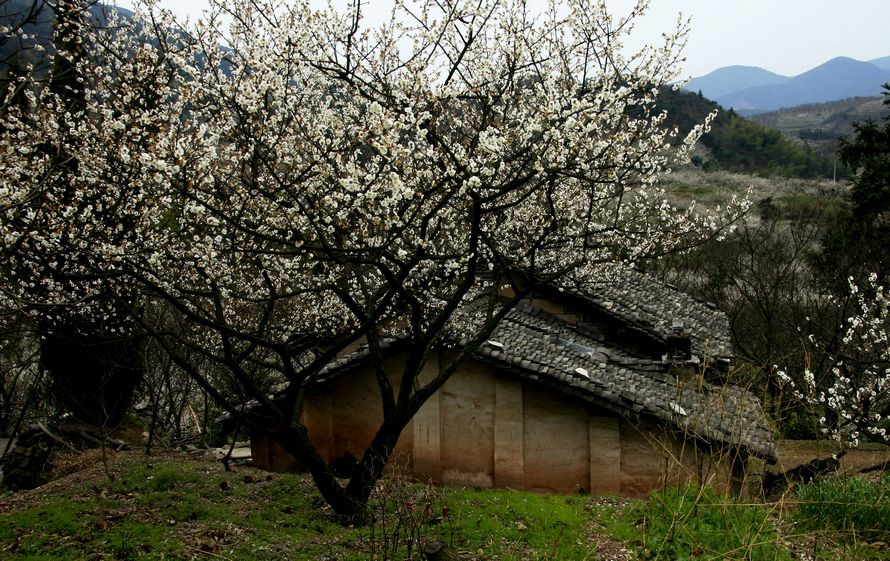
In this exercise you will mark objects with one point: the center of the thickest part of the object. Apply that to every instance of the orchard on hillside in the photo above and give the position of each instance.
(316, 182)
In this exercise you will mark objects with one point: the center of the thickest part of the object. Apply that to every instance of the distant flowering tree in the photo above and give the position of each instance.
(855, 402)
(315, 183)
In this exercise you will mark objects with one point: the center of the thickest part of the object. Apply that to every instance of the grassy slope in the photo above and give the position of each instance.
(178, 507)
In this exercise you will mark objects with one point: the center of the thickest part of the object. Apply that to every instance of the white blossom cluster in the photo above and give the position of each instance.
(315, 176)
(859, 391)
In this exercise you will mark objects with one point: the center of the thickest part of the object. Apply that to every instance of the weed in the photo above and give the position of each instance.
(690, 522)
(854, 508)
(404, 516)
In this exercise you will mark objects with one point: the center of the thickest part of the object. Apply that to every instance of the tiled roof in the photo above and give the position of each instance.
(538, 346)
(645, 302)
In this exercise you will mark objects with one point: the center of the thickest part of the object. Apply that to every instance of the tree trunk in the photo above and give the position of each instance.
(350, 503)
(296, 442)
(370, 469)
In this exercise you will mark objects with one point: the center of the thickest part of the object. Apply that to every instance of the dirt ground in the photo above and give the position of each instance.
(793, 453)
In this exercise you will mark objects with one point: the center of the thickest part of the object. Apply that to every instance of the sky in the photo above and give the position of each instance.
(784, 36)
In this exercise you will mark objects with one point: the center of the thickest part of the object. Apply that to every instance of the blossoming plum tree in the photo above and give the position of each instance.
(317, 182)
(856, 398)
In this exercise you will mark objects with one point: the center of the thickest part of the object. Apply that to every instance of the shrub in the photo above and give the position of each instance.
(853, 507)
(689, 522)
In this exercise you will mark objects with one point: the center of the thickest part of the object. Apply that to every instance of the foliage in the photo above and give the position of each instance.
(854, 244)
(684, 523)
(853, 264)
(317, 183)
(868, 152)
(852, 508)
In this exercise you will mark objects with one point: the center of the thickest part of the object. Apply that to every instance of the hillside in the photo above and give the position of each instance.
(829, 119)
(37, 24)
(38, 28)
(740, 145)
(820, 124)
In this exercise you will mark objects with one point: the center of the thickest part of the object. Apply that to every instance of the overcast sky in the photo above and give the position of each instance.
(783, 36)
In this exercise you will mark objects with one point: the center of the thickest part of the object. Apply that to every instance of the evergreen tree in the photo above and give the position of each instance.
(868, 152)
(854, 245)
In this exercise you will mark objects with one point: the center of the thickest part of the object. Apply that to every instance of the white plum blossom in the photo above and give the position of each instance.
(858, 393)
(317, 182)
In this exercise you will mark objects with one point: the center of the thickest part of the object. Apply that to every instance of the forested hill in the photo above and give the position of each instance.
(738, 144)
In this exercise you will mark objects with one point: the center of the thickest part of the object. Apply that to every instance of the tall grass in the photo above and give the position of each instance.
(690, 522)
(853, 508)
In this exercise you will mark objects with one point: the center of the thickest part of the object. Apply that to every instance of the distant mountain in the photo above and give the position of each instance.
(883, 62)
(839, 78)
(35, 18)
(731, 79)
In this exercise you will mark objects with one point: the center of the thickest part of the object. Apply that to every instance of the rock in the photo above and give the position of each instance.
(438, 551)
(29, 463)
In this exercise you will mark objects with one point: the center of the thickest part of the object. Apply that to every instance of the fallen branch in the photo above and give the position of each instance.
(58, 439)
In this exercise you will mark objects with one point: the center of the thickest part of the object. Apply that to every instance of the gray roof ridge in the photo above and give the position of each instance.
(653, 305)
(724, 413)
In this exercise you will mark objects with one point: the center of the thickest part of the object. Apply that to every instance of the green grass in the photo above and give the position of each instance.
(853, 509)
(170, 508)
(176, 507)
(510, 523)
(689, 523)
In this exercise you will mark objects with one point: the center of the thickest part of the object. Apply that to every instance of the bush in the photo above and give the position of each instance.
(853, 507)
(688, 522)
(800, 425)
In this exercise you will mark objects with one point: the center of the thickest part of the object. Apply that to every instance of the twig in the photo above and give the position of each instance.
(217, 556)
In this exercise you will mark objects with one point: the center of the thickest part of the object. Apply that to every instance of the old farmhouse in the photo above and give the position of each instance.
(612, 391)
